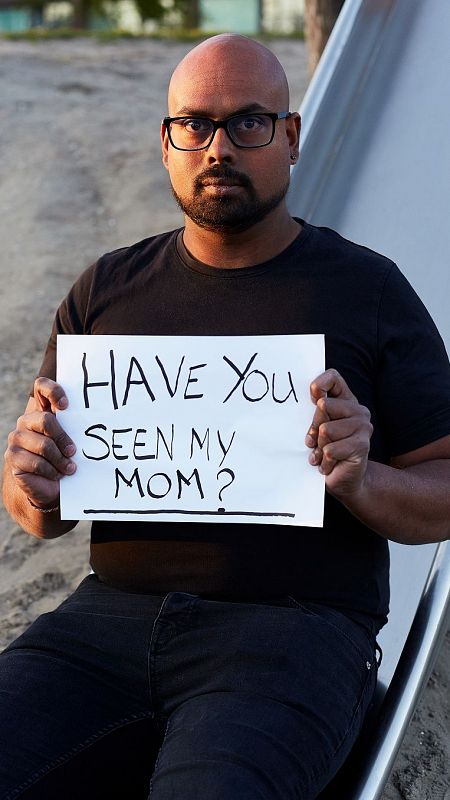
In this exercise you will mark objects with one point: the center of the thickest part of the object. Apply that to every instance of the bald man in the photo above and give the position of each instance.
(225, 660)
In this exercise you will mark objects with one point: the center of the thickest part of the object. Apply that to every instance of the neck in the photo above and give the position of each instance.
(261, 242)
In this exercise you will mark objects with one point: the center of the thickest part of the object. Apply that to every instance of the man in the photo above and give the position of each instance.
(230, 660)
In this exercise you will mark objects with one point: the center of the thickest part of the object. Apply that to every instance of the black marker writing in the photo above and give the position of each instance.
(171, 391)
(292, 391)
(129, 483)
(160, 490)
(224, 448)
(195, 437)
(142, 382)
(242, 375)
(88, 432)
(87, 385)
(192, 380)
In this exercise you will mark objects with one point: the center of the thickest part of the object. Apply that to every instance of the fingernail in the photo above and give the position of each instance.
(62, 403)
(70, 469)
(70, 450)
(309, 441)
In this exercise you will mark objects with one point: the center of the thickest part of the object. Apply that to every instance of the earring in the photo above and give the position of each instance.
(293, 158)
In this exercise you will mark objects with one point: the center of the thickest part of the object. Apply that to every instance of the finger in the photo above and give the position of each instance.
(352, 434)
(332, 408)
(332, 383)
(49, 395)
(46, 424)
(320, 416)
(316, 457)
(335, 430)
(340, 407)
(23, 462)
(41, 491)
(43, 446)
(354, 450)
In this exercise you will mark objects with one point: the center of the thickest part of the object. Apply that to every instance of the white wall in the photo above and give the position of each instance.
(282, 15)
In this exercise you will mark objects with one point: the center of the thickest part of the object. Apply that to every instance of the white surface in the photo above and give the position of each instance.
(179, 433)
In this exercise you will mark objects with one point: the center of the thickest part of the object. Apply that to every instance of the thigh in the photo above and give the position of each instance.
(231, 745)
(116, 766)
(75, 678)
(271, 701)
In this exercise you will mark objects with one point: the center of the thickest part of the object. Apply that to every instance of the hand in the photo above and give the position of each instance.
(39, 451)
(339, 435)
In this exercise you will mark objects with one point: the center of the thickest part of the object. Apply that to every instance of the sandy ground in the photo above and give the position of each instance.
(80, 174)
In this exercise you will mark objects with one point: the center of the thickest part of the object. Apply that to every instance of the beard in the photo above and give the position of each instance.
(227, 214)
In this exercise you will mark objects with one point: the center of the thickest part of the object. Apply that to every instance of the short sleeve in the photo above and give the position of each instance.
(70, 318)
(413, 376)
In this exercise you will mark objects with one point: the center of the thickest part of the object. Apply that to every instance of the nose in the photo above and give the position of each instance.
(221, 148)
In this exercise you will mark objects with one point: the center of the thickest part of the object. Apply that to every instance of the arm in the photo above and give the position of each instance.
(37, 458)
(407, 501)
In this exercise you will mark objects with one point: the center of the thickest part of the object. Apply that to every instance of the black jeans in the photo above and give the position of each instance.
(121, 695)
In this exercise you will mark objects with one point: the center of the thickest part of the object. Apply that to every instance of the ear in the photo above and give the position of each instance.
(164, 145)
(293, 127)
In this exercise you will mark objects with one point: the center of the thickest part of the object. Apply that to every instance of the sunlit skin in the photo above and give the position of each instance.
(221, 77)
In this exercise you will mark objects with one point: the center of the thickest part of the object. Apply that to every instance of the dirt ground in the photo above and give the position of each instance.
(80, 174)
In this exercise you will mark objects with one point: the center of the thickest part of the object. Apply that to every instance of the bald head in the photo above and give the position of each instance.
(220, 66)
(233, 181)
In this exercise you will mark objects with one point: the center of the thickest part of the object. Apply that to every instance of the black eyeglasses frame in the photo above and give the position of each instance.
(223, 123)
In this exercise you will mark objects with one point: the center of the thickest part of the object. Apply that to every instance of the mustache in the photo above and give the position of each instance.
(223, 171)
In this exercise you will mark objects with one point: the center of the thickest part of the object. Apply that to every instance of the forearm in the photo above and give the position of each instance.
(43, 526)
(410, 505)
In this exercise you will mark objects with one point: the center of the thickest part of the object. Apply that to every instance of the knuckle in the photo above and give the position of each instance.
(334, 374)
(42, 383)
(47, 422)
(36, 466)
(61, 438)
(39, 383)
(328, 452)
(44, 447)
(363, 443)
(43, 468)
(12, 437)
(11, 453)
(323, 430)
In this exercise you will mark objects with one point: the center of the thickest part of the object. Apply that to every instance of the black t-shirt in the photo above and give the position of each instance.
(378, 335)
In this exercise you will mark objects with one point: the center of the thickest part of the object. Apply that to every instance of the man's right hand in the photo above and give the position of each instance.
(39, 451)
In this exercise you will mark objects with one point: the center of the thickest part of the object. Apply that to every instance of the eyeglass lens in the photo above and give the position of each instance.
(245, 130)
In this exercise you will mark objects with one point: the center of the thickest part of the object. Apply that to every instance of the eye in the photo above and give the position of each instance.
(196, 125)
(251, 123)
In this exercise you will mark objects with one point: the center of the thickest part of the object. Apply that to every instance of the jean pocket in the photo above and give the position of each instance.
(358, 636)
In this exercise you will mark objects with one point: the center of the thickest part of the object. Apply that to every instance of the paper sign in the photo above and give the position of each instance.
(191, 429)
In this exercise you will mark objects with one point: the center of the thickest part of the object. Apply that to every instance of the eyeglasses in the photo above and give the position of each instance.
(244, 130)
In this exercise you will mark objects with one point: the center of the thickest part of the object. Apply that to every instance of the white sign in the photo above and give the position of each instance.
(192, 429)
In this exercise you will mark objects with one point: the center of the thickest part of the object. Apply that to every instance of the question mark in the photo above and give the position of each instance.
(232, 475)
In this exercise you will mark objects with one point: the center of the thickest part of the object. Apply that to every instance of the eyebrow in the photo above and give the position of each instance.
(247, 109)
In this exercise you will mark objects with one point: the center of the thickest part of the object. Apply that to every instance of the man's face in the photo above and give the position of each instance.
(224, 187)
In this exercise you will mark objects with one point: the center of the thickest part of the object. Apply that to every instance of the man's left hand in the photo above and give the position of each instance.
(339, 435)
